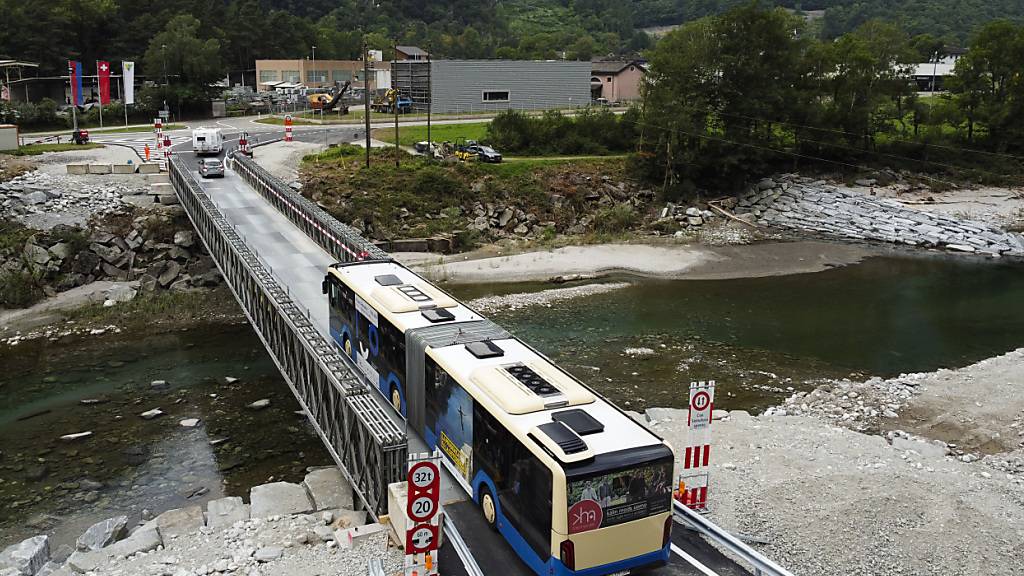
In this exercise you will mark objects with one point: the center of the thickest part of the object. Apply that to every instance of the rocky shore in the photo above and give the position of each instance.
(791, 201)
(285, 529)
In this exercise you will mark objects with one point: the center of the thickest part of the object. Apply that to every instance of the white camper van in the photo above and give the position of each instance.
(207, 141)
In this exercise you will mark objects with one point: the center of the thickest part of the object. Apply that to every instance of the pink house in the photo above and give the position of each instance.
(616, 80)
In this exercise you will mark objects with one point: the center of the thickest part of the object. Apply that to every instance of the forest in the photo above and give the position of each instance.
(243, 30)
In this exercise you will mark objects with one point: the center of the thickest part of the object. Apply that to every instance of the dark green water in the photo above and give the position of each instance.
(761, 337)
(130, 464)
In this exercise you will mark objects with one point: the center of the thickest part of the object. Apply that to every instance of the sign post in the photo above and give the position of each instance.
(288, 128)
(693, 482)
(422, 535)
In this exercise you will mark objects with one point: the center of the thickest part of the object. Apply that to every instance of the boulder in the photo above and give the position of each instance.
(143, 540)
(185, 238)
(506, 217)
(926, 449)
(278, 499)
(224, 512)
(27, 556)
(103, 534)
(180, 521)
(60, 250)
(328, 489)
(268, 553)
(169, 274)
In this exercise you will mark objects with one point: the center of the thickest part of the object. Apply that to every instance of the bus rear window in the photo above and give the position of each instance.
(621, 496)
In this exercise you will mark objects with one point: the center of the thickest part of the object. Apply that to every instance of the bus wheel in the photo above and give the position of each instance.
(396, 399)
(488, 508)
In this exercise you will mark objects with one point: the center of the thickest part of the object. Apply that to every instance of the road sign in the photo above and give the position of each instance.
(693, 482)
(421, 539)
(424, 490)
(702, 402)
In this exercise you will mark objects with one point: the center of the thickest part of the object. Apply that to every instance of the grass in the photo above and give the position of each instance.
(164, 309)
(167, 128)
(440, 133)
(280, 121)
(35, 149)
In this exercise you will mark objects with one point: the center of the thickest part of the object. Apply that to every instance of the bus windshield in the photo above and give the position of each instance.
(602, 499)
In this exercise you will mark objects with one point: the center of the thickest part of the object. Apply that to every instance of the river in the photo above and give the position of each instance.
(641, 345)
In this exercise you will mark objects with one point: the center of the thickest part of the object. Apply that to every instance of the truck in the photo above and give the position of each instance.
(390, 102)
(206, 140)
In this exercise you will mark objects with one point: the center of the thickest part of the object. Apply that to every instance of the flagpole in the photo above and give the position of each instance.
(99, 92)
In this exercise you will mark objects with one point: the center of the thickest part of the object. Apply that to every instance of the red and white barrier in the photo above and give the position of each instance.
(288, 128)
(693, 482)
(158, 131)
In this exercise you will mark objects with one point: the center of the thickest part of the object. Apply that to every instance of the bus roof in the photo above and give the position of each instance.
(399, 294)
(510, 402)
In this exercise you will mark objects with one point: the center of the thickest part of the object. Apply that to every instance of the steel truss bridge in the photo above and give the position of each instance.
(273, 246)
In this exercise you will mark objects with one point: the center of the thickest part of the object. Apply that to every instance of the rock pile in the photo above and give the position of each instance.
(151, 251)
(37, 193)
(791, 201)
(307, 528)
(687, 216)
(859, 406)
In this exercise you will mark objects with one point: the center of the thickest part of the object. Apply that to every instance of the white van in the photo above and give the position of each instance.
(207, 141)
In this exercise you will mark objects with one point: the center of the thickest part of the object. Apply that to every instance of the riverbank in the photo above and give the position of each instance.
(662, 260)
(828, 500)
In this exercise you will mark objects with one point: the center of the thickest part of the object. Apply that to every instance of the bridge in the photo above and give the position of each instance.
(273, 247)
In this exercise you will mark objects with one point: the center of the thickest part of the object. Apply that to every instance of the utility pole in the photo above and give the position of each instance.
(398, 97)
(366, 96)
(430, 98)
(163, 52)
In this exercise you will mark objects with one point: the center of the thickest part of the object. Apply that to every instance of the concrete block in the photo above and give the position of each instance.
(278, 499)
(349, 538)
(78, 169)
(149, 168)
(225, 512)
(168, 199)
(180, 521)
(398, 496)
(99, 168)
(123, 168)
(328, 489)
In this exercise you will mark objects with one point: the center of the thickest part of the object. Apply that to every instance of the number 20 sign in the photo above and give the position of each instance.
(424, 491)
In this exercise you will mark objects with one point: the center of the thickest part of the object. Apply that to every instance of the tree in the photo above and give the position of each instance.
(187, 57)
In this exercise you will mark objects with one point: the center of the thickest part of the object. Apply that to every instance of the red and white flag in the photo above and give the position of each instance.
(103, 74)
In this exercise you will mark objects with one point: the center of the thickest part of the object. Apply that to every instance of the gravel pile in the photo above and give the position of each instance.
(73, 199)
(859, 406)
(828, 501)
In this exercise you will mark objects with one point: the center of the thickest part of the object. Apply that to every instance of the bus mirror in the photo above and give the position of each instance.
(326, 286)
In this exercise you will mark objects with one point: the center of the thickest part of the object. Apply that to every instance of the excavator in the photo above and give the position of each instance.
(326, 102)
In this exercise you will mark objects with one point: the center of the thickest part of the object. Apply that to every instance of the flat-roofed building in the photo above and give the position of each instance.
(490, 85)
(318, 74)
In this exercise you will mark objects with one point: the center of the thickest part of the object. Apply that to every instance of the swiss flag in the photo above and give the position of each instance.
(103, 73)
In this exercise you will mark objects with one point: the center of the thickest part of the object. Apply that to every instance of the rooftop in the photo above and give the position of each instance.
(411, 50)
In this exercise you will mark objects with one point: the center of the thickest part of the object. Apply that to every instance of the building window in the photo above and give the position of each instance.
(316, 76)
(290, 76)
(268, 75)
(609, 78)
(495, 96)
(342, 75)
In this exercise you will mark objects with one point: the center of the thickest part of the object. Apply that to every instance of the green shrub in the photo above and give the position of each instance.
(615, 219)
(19, 290)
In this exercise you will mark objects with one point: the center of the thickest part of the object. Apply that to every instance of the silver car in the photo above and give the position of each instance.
(211, 167)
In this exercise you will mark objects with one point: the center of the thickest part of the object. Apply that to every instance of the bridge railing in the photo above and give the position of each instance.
(339, 240)
(366, 444)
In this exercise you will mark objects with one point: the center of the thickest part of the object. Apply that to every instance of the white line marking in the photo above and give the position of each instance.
(693, 561)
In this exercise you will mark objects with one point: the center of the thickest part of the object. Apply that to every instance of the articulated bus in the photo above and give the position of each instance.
(573, 484)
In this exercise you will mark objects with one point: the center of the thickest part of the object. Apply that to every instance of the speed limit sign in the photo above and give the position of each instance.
(422, 508)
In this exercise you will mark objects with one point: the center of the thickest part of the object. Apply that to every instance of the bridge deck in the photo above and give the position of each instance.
(299, 264)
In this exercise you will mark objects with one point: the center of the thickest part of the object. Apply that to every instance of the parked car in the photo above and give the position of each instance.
(211, 167)
(484, 153)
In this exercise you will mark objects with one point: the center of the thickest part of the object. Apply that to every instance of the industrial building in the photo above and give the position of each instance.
(490, 85)
(303, 72)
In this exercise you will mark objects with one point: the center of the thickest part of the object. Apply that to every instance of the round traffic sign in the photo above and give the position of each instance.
(422, 508)
(423, 474)
(701, 401)
(422, 538)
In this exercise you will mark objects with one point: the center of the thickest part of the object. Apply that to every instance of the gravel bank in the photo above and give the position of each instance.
(831, 501)
(506, 302)
(667, 260)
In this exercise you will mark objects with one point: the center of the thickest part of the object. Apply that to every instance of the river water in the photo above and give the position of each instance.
(641, 346)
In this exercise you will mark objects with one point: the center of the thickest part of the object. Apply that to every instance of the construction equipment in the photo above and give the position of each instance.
(324, 101)
(390, 101)
(80, 136)
(463, 151)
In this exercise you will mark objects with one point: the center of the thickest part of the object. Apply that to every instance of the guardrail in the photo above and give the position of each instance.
(340, 241)
(762, 565)
(366, 444)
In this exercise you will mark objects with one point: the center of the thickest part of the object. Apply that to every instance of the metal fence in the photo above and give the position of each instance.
(364, 441)
(339, 240)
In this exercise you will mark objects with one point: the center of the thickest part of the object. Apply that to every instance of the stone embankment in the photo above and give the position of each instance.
(795, 202)
(43, 199)
(285, 529)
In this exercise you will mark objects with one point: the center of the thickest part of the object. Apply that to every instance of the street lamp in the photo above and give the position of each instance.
(315, 75)
(163, 52)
